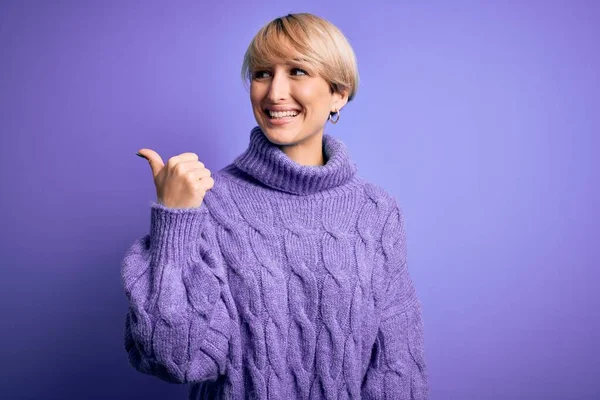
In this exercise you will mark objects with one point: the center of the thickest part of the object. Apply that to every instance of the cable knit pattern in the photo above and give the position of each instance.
(288, 282)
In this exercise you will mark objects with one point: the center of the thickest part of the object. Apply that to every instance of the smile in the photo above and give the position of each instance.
(281, 117)
(281, 114)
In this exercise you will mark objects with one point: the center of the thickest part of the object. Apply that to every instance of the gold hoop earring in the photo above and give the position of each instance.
(334, 121)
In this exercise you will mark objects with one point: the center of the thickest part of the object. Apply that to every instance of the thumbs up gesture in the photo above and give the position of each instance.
(182, 182)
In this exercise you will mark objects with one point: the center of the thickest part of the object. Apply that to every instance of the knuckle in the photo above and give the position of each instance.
(189, 177)
(179, 169)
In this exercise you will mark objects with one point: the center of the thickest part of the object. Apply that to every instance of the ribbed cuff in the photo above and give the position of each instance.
(172, 230)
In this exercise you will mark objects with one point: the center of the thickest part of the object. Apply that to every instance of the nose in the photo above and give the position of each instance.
(278, 88)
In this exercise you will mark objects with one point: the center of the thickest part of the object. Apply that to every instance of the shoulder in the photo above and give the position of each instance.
(380, 213)
(391, 221)
(385, 201)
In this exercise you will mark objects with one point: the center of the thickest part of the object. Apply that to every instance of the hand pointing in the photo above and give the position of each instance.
(182, 182)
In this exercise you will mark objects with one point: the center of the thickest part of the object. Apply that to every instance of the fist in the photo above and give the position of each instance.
(182, 182)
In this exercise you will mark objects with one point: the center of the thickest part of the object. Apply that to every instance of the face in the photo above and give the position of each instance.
(300, 100)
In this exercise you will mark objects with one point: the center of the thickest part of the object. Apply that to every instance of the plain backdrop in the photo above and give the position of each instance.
(481, 118)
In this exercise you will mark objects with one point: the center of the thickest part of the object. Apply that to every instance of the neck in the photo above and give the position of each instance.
(307, 152)
(268, 164)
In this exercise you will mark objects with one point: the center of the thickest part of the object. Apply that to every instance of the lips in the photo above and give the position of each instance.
(266, 111)
(280, 108)
(273, 122)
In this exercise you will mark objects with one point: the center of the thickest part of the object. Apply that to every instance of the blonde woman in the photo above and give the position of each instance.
(283, 275)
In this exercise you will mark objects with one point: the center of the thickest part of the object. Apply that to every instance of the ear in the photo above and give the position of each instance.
(339, 100)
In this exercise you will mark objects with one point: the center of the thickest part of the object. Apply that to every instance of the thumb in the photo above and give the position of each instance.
(156, 163)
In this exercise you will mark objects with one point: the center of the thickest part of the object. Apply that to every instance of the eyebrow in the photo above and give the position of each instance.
(297, 61)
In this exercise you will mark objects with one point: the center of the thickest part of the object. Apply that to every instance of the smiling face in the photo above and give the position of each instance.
(291, 103)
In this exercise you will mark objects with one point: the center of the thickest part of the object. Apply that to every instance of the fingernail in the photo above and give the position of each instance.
(139, 155)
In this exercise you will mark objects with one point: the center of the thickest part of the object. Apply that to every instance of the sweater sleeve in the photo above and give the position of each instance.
(397, 369)
(178, 326)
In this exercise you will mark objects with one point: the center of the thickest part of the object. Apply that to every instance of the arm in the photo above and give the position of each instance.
(397, 369)
(178, 326)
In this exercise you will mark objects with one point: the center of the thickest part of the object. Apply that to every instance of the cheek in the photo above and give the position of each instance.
(314, 99)
(305, 94)
(255, 93)
(253, 97)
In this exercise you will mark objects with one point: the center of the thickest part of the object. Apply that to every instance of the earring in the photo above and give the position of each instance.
(334, 121)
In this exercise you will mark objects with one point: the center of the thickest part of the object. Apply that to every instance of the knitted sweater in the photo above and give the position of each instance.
(288, 282)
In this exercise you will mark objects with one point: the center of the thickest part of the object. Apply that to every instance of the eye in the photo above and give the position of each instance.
(300, 70)
(258, 74)
(294, 71)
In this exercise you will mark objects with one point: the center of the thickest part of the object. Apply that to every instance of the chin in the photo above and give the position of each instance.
(280, 136)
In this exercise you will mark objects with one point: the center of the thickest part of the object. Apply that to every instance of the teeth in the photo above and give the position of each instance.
(281, 114)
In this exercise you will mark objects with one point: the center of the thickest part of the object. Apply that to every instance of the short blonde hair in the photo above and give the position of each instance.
(307, 39)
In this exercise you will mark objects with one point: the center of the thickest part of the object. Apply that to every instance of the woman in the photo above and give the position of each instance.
(284, 274)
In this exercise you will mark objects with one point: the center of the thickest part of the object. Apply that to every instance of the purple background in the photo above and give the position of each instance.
(482, 119)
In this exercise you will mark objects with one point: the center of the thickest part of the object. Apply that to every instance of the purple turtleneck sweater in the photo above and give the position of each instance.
(288, 282)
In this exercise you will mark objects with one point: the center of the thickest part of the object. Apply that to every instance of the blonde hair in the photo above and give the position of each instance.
(306, 39)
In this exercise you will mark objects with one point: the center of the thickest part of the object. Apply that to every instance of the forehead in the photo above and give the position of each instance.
(277, 49)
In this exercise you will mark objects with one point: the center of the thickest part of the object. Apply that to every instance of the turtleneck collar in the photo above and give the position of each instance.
(267, 163)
